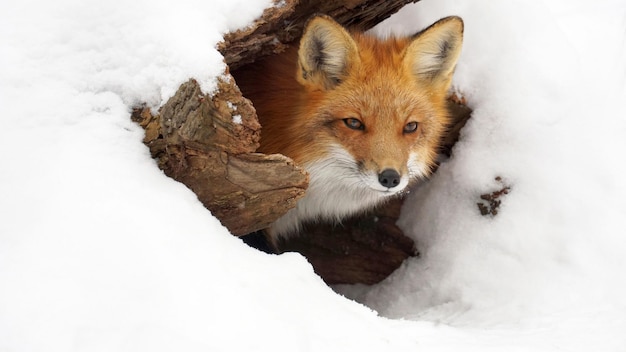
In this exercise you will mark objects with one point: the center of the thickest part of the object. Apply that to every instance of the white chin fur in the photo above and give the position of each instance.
(337, 189)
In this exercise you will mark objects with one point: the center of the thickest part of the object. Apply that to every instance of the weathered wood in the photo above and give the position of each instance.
(208, 143)
(363, 249)
(283, 24)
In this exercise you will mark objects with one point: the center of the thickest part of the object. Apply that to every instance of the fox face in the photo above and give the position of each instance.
(363, 116)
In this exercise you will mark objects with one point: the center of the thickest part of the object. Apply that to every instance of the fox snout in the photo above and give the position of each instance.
(389, 178)
(386, 182)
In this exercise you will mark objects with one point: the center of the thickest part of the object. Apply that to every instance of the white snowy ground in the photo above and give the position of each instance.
(89, 262)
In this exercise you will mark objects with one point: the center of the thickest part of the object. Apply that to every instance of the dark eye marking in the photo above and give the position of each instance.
(354, 124)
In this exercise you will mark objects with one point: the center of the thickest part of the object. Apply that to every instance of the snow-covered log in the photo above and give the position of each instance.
(283, 24)
(208, 142)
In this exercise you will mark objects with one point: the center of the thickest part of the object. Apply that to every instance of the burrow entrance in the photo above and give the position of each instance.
(209, 142)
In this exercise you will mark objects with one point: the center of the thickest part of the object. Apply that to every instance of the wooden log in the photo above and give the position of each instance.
(363, 249)
(283, 24)
(208, 142)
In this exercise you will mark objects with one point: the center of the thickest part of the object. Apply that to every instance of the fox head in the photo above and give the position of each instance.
(378, 106)
(364, 116)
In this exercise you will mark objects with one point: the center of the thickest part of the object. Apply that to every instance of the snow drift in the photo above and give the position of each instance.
(87, 262)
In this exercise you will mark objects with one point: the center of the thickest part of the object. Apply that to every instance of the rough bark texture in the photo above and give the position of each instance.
(364, 249)
(283, 24)
(208, 142)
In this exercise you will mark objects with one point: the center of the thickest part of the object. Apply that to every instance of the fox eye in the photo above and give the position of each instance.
(410, 127)
(354, 124)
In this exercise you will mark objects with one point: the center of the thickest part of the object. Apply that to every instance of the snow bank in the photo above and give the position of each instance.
(547, 85)
(100, 251)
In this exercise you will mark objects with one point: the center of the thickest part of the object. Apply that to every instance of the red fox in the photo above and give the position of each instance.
(362, 115)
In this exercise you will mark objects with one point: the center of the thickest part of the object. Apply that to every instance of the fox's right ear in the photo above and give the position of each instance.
(433, 53)
(326, 53)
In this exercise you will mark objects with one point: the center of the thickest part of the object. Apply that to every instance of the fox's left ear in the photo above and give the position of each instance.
(433, 53)
(326, 54)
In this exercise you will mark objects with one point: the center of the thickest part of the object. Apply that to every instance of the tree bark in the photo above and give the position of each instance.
(208, 143)
(283, 24)
(363, 249)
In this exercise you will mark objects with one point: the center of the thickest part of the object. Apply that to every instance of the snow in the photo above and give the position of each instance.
(101, 251)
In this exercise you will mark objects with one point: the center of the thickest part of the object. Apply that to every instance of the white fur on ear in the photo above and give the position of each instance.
(325, 54)
(433, 54)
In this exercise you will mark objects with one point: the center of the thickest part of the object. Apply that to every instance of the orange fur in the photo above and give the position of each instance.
(303, 98)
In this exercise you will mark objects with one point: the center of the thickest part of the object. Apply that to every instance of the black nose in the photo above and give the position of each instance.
(389, 178)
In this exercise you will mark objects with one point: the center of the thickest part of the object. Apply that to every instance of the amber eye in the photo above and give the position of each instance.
(354, 124)
(410, 127)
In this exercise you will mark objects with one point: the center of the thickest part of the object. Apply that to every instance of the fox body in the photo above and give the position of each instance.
(364, 116)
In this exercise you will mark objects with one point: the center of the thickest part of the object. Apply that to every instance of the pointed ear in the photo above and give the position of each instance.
(327, 51)
(433, 53)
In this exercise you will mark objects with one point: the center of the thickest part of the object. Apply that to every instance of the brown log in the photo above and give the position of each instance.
(363, 249)
(208, 142)
(283, 24)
